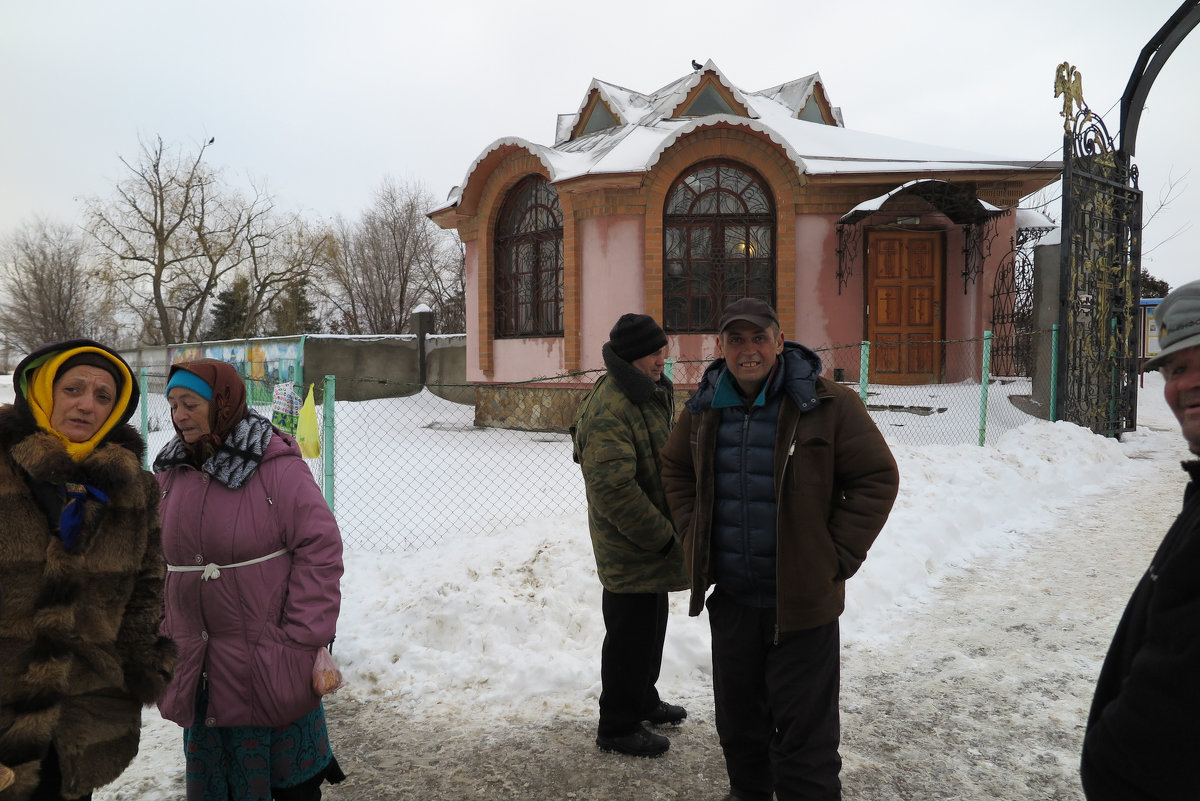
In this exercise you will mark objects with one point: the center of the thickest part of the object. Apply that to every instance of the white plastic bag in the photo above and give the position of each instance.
(326, 676)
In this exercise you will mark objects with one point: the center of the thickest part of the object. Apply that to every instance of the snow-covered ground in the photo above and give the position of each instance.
(440, 631)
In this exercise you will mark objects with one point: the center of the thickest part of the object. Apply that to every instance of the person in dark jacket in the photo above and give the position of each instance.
(81, 564)
(779, 482)
(1142, 737)
(619, 429)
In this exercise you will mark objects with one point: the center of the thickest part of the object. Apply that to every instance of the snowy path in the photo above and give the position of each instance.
(980, 694)
(984, 690)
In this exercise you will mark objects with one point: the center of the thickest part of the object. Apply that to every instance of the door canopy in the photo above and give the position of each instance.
(957, 202)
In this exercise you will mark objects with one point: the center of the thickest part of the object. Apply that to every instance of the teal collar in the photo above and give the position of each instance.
(727, 395)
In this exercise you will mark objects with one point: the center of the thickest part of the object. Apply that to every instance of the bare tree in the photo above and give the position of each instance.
(375, 278)
(444, 280)
(281, 259)
(47, 295)
(146, 235)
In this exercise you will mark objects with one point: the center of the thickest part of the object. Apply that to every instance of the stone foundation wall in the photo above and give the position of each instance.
(539, 407)
(527, 408)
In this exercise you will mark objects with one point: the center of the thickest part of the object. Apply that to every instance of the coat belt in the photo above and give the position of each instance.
(212, 570)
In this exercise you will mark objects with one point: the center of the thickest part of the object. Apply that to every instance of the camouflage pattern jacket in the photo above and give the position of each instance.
(618, 431)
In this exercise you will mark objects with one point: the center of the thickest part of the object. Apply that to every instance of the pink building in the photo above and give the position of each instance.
(675, 202)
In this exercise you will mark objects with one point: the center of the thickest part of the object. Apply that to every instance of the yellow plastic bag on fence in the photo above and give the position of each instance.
(307, 432)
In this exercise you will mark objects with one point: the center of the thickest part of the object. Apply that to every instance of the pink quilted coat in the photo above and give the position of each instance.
(254, 629)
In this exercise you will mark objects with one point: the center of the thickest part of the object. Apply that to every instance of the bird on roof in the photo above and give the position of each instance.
(696, 65)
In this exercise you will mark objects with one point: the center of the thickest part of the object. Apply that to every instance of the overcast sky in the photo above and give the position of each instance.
(322, 100)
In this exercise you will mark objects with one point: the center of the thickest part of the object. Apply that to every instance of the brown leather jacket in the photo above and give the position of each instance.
(835, 482)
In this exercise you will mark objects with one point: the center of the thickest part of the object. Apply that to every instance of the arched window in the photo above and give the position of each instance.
(529, 261)
(718, 245)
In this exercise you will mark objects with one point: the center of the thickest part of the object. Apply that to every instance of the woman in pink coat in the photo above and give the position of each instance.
(254, 559)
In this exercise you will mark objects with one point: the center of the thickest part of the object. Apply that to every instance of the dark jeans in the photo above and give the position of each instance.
(635, 626)
(776, 704)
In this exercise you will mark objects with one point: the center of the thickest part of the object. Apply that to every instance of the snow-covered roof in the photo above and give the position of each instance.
(1032, 218)
(958, 204)
(647, 125)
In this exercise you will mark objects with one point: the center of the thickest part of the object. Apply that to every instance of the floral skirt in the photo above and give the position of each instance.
(244, 762)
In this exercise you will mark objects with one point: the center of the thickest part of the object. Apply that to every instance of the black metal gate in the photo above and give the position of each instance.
(1013, 324)
(1100, 272)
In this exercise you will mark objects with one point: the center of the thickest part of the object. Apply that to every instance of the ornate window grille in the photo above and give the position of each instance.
(718, 244)
(529, 261)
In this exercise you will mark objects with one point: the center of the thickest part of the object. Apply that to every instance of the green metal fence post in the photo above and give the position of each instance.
(669, 370)
(864, 361)
(298, 364)
(327, 447)
(985, 371)
(1054, 373)
(144, 386)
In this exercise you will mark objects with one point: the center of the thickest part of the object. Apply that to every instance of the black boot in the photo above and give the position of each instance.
(311, 789)
(641, 742)
(666, 714)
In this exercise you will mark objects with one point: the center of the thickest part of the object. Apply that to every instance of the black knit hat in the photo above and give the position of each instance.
(93, 359)
(635, 336)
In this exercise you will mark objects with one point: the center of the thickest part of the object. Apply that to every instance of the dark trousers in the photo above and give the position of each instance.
(635, 627)
(776, 704)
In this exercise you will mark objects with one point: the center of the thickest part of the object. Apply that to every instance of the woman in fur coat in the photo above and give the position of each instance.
(82, 571)
(254, 561)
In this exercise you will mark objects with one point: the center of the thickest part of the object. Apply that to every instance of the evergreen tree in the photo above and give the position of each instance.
(230, 313)
(293, 313)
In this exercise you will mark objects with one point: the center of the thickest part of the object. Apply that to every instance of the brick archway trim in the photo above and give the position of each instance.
(737, 143)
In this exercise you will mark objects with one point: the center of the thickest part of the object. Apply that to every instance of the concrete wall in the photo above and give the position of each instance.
(1046, 314)
(446, 368)
(366, 367)
(155, 359)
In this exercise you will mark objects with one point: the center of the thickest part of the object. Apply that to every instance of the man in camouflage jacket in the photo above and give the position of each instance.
(618, 431)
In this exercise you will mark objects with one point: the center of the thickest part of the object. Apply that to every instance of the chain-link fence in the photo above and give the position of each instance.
(406, 472)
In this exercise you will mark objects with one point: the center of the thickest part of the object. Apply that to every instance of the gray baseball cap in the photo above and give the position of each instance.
(1178, 318)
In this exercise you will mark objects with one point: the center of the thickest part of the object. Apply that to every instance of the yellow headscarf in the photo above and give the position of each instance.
(40, 394)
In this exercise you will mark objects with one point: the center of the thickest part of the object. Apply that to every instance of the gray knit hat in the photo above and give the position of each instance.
(1178, 319)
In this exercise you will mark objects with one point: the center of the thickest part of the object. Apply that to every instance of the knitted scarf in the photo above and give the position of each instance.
(234, 460)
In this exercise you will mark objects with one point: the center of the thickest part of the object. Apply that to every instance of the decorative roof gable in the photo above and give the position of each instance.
(702, 93)
(596, 115)
(806, 99)
(709, 93)
(605, 106)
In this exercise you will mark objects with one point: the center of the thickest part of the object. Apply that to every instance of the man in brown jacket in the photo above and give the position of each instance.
(778, 481)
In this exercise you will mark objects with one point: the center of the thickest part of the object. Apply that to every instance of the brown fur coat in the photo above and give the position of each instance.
(79, 650)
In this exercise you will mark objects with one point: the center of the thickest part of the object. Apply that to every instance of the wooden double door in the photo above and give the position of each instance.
(904, 292)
